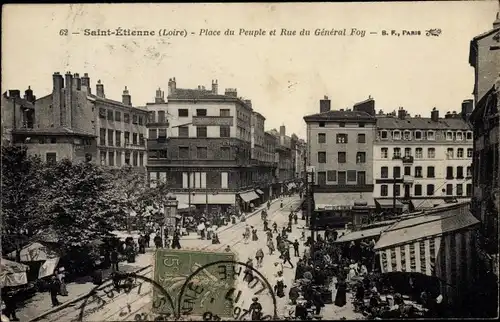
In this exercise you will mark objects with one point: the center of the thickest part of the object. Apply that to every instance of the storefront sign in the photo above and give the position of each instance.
(336, 207)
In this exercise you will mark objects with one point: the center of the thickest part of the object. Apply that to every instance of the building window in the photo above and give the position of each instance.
(201, 152)
(134, 139)
(134, 119)
(384, 190)
(361, 124)
(384, 172)
(407, 171)
(162, 133)
(396, 153)
(322, 178)
(383, 135)
(201, 112)
(449, 189)
(341, 178)
(127, 138)
(224, 131)
(331, 175)
(225, 112)
(153, 134)
(397, 190)
(127, 158)
(183, 152)
(418, 172)
(201, 131)
(449, 136)
(151, 116)
(430, 190)
(321, 157)
(110, 137)
(418, 135)
(396, 172)
(361, 157)
(110, 115)
(361, 178)
(430, 172)
(449, 172)
(361, 138)
(460, 153)
(342, 157)
(118, 138)
(396, 135)
(103, 157)
(321, 124)
(469, 135)
(384, 153)
(118, 116)
(430, 135)
(469, 153)
(460, 189)
(141, 120)
(341, 138)
(126, 118)
(51, 158)
(161, 116)
(469, 172)
(224, 151)
(431, 153)
(321, 138)
(53, 140)
(102, 113)
(460, 172)
(141, 158)
(183, 112)
(183, 131)
(407, 135)
(111, 158)
(407, 152)
(135, 159)
(449, 153)
(341, 124)
(418, 190)
(102, 136)
(468, 189)
(351, 175)
(460, 137)
(419, 153)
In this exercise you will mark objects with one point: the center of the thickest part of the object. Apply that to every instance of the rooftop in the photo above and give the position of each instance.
(110, 101)
(340, 115)
(386, 122)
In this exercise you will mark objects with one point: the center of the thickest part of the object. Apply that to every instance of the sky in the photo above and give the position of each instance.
(285, 76)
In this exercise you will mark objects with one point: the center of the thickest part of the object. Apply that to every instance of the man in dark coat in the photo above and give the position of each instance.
(176, 241)
(286, 257)
(54, 288)
(296, 248)
(114, 260)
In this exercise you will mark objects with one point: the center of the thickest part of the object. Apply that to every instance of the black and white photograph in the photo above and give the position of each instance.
(250, 161)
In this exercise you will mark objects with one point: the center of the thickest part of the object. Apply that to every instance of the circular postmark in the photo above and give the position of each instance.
(227, 289)
(127, 295)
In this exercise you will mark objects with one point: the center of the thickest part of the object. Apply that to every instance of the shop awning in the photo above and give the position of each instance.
(388, 203)
(249, 196)
(259, 191)
(326, 201)
(36, 252)
(362, 234)
(202, 198)
(420, 204)
(12, 273)
(413, 245)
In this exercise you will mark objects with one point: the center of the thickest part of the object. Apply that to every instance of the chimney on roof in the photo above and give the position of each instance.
(324, 105)
(380, 112)
(126, 98)
(215, 87)
(249, 103)
(66, 111)
(28, 95)
(57, 97)
(77, 82)
(367, 106)
(100, 89)
(233, 92)
(282, 130)
(86, 83)
(14, 93)
(435, 115)
(160, 96)
(467, 108)
(401, 113)
(172, 86)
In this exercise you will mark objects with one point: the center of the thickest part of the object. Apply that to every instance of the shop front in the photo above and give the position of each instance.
(249, 199)
(207, 202)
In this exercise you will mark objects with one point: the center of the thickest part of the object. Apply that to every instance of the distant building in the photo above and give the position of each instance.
(422, 160)
(17, 113)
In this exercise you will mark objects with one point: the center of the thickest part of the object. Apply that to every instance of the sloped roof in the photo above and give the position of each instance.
(340, 115)
(473, 42)
(53, 131)
(421, 123)
(107, 100)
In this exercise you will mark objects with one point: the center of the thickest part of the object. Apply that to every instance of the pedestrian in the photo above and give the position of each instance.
(281, 202)
(296, 248)
(255, 309)
(248, 273)
(303, 235)
(279, 287)
(254, 234)
(259, 256)
(61, 277)
(97, 275)
(270, 245)
(289, 227)
(176, 241)
(340, 297)
(283, 232)
(114, 260)
(294, 293)
(295, 218)
(266, 225)
(268, 204)
(318, 301)
(275, 227)
(142, 244)
(54, 289)
(158, 242)
(278, 267)
(286, 257)
(269, 234)
(228, 249)
(9, 299)
(147, 238)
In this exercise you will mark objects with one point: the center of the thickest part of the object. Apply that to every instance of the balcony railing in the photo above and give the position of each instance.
(408, 159)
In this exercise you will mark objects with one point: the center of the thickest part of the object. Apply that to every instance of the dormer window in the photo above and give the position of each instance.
(418, 135)
(430, 135)
(460, 136)
(449, 136)
(407, 135)
(396, 135)
(383, 135)
(469, 135)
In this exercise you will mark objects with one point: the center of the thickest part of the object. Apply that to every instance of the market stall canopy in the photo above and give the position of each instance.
(48, 267)
(249, 196)
(12, 273)
(362, 234)
(332, 201)
(260, 192)
(38, 251)
(420, 204)
(388, 203)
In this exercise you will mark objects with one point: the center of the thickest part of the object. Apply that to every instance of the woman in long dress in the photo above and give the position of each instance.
(254, 235)
(248, 271)
(279, 287)
(340, 297)
(270, 245)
